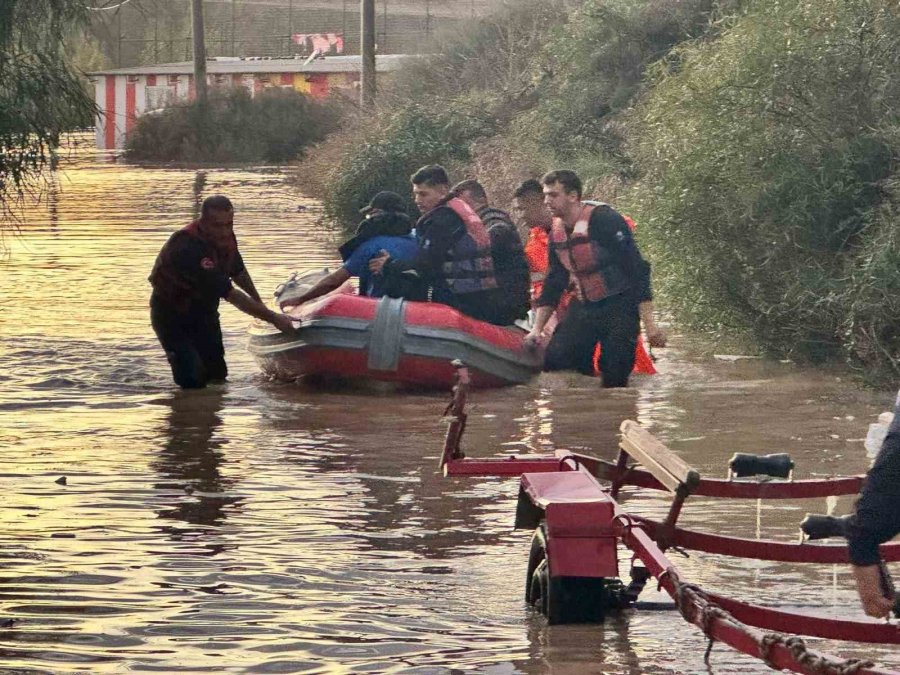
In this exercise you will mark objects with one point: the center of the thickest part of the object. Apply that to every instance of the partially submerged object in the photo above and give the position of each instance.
(572, 573)
(391, 340)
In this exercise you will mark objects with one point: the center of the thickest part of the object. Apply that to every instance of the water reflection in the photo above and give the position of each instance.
(263, 527)
(191, 486)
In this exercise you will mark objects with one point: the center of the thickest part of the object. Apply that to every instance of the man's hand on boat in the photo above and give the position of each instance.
(376, 263)
(534, 339)
(255, 308)
(869, 587)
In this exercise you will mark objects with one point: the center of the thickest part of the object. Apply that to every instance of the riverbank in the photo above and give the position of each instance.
(764, 200)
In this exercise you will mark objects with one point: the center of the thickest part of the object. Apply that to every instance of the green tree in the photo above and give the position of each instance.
(41, 96)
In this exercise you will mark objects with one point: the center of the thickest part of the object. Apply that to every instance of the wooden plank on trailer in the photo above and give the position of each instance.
(667, 467)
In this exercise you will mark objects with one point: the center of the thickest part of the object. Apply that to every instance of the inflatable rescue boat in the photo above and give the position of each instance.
(390, 339)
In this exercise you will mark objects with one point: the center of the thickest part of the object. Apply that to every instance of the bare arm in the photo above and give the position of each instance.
(256, 309)
(244, 282)
(323, 286)
(541, 316)
(871, 594)
(656, 336)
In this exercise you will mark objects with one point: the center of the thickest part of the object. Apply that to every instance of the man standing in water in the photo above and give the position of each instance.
(591, 247)
(194, 269)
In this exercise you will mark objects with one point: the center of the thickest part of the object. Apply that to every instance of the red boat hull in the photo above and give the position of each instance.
(393, 340)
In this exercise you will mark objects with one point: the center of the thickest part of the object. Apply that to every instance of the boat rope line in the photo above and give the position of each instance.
(696, 608)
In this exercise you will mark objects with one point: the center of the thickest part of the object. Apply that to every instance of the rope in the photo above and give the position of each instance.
(696, 608)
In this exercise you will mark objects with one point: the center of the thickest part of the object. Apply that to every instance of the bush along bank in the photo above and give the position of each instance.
(769, 188)
(755, 142)
(274, 126)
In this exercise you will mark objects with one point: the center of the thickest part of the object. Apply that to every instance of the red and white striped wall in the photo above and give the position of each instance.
(123, 98)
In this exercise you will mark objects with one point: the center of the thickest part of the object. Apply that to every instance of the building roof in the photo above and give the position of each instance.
(260, 64)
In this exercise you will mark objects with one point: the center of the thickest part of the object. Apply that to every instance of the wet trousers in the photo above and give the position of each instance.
(193, 345)
(613, 322)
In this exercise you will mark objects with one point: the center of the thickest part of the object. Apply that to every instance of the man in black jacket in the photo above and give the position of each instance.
(510, 263)
(454, 259)
(192, 272)
(592, 249)
(877, 519)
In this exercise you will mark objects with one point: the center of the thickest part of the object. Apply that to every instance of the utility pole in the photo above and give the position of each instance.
(367, 31)
(199, 51)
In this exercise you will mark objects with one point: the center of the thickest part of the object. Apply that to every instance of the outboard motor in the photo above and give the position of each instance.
(778, 465)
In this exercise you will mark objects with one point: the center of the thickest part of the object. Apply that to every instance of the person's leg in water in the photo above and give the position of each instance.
(572, 344)
(188, 370)
(618, 324)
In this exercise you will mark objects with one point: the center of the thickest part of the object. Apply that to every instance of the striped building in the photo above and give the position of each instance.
(124, 94)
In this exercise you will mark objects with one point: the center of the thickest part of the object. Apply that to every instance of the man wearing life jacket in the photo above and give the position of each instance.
(454, 259)
(385, 227)
(510, 263)
(877, 520)
(194, 269)
(592, 248)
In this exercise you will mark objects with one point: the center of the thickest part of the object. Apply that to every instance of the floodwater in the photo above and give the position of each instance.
(277, 528)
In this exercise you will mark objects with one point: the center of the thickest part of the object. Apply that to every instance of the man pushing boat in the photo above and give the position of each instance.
(192, 272)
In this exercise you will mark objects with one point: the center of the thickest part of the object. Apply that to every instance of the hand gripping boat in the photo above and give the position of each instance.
(392, 340)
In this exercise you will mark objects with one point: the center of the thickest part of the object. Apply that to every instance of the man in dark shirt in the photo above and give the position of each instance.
(591, 248)
(194, 269)
(450, 261)
(877, 519)
(510, 263)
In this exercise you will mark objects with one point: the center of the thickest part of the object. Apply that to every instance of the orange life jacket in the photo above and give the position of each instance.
(470, 264)
(593, 269)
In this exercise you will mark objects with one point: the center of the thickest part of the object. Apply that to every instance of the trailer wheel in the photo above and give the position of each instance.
(566, 599)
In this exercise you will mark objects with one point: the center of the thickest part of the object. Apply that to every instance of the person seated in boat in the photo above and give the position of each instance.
(454, 259)
(876, 520)
(385, 227)
(510, 264)
(591, 248)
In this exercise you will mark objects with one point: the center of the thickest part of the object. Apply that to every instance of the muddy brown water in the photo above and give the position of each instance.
(278, 528)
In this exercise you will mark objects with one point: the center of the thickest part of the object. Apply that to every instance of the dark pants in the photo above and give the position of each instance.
(193, 344)
(613, 322)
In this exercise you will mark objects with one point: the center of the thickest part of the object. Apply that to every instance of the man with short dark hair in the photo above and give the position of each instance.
(592, 248)
(529, 207)
(385, 227)
(510, 264)
(454, 258)
(194, 269)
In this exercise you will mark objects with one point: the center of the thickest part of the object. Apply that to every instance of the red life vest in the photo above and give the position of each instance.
(470, 265)
(593, 271)
(170, 284)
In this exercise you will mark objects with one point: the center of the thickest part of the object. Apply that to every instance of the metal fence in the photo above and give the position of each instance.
(157, 31)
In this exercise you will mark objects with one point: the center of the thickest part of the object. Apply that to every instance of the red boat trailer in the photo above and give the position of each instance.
(573, 575)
